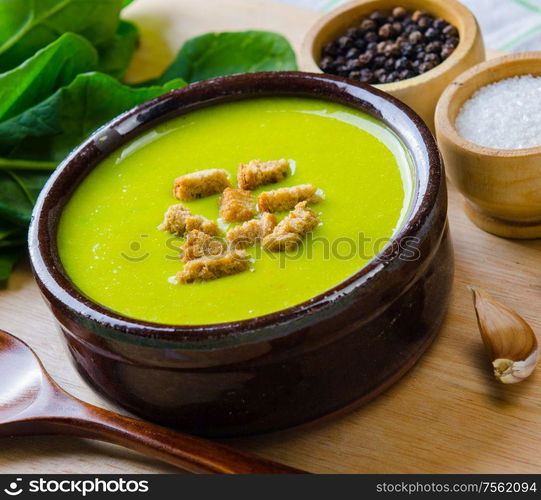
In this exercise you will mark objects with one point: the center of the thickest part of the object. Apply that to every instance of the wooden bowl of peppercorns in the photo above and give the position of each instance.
(412, 49)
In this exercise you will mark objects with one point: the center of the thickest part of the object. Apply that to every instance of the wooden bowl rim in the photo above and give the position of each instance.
(467, 31)
(447, 128)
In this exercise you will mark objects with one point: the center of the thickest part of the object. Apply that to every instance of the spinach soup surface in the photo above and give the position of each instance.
(113, 252)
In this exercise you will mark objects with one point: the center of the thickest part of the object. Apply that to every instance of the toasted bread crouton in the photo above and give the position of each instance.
(211, 268)
(250, 232)
(179, 219)
(257, 173)
(200, 184)
(236, 205)
(289, 232)
(199, 244)
(280, 200)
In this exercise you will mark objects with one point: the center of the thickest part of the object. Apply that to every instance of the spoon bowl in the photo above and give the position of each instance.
(21, 377)
(31, 403)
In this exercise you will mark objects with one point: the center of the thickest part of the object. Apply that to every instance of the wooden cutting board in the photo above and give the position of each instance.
(446, 416)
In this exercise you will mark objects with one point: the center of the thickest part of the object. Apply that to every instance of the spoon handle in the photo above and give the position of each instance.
(188, 452)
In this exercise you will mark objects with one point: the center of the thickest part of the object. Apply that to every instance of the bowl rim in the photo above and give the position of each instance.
(467, 40)
(447, 127)
(57, 287)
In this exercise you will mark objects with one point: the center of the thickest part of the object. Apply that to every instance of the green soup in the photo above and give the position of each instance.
(112, 250)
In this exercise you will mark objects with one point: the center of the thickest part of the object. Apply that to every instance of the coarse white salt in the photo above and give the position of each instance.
(504, 114)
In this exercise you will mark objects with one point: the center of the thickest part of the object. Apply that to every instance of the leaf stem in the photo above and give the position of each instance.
(16, 164)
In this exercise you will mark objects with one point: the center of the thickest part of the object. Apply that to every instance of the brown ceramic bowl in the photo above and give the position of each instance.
(339, 349)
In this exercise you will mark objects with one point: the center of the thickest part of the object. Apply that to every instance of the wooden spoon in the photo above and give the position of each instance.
(31, 403)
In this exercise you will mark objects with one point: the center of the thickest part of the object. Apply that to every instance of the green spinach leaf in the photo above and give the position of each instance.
(115, 57)
(29, 25)
(18, 193)
(220, 54)
(51, 129)
(44, 73)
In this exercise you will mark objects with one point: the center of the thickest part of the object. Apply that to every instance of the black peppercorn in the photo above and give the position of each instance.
(353, 64)
(389, 64)
(359, 44)
(352, 53)
(354, 32)
(399, 13)
(379, 61)
(439, 23)
(366, 58)
(406, 49)
(371, 36)
(345, 42)
(432, 58)
(378, 73)
(432, 34)
(392, 77)
(417, 15)
(354, 75)
(326, 64)
(426, 66)
(434, 47)
(446, 51)
(405, 74)
(378, 17)
(453, 41)
(409, 28)
(382, 46)
(368, 25)
(402, 63)
(416, 37)
(397, 27)
(386, 31)
(367, 76)
(424, 23)
(372, 47)
(395, 49)
(449, 31)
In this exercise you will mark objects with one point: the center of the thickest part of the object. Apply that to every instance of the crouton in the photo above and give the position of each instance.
(289, 232)
(199, 244)
(236, 205)
(200, 184)
(211, 268)
(280, 200)
(250, 232)
(257, 173)
(179, 219)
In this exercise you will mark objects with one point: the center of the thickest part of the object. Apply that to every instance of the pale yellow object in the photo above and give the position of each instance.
(510, 341)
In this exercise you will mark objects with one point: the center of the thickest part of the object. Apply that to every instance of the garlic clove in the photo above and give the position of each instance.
(509, 340)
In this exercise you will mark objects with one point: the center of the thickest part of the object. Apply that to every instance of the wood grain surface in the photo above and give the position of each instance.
(448, 415)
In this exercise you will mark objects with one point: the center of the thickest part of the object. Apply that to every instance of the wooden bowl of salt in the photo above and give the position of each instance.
(488, 125)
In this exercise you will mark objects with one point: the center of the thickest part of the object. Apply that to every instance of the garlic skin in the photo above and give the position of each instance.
(509, 340)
